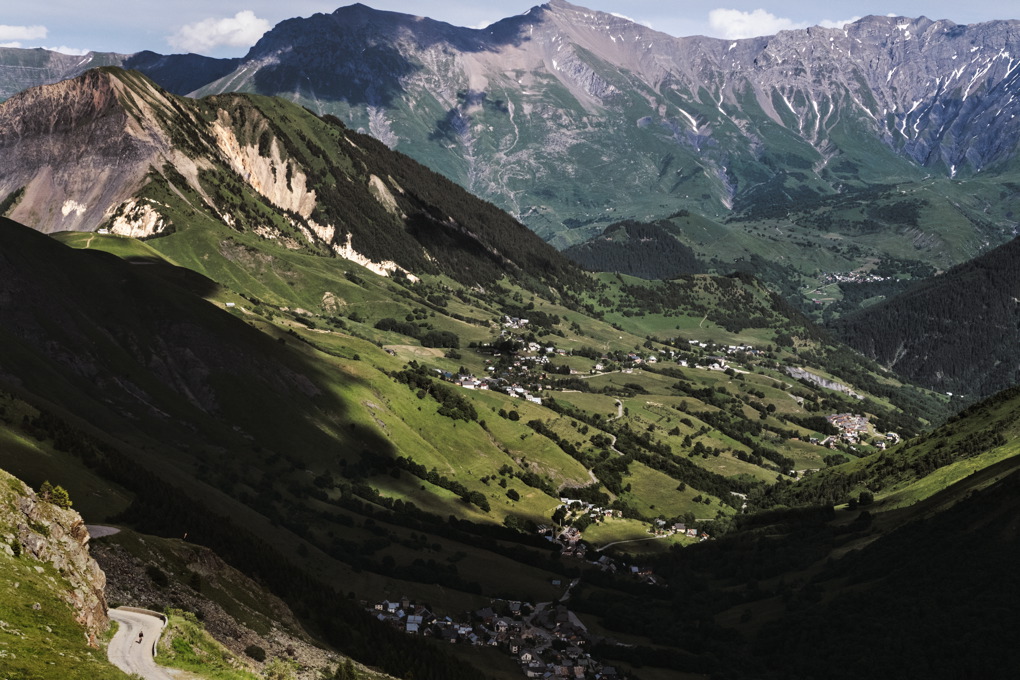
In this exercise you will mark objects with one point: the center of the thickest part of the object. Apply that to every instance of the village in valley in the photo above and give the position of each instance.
(546, 639)
(521, 367)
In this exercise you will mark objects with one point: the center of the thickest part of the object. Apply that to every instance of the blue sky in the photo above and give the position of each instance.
(229, 27)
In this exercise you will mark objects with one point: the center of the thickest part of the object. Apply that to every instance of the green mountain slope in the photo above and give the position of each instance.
(312, 434)
(254, 164)
(924, 550)
(982, 437)
(649, 251)
(940, 583)
(957, 332)
(831, 256)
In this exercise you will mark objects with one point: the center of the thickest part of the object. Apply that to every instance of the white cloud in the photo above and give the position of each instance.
(241, 30)
(12, 34)
(734, 24)
(828, 23)
(63, 49)
(646, 24)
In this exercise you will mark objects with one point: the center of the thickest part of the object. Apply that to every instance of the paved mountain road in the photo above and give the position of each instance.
(100, 530)
(130, 655)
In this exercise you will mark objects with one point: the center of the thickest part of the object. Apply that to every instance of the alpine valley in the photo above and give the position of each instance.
(355, 416)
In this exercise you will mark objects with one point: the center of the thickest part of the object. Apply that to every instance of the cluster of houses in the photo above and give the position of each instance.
(852, 428)
(571, 545)
(482, 628)
(547, 640)
(581, 508)
(523, 373)
(663, 528)
(849, 422)
(512, 322)
(727, 349)
(496, 384)
(852, 277)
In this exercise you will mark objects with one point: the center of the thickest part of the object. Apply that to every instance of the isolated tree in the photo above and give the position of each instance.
(46, 491)
(55, 494)
(61, 498)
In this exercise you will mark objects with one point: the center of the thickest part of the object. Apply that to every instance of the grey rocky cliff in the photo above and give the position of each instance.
(74, 151)
(58, 537)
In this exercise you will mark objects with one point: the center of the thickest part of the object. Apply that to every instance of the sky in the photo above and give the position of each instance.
(227, 28)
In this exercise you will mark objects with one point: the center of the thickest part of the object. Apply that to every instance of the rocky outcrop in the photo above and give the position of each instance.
(800, 374)
(84, 121)
(42, 531)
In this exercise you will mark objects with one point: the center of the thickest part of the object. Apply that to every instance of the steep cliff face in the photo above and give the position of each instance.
(33, 528)
(75, 151)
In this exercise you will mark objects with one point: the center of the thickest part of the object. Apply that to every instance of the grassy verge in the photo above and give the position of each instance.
(186, 645)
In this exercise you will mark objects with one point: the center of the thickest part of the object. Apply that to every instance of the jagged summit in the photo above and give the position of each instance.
(76, 148)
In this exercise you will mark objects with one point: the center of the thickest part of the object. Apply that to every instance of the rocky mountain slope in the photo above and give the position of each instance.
(563, 113)
(572, 119)
(53, 598)
(112, 150)
(156, 573)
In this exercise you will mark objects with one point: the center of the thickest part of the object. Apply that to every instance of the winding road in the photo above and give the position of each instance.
(630, 540)
(101, 530)
(129, 654)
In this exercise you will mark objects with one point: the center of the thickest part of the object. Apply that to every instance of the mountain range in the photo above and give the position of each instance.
(565, 88)
(543, 113)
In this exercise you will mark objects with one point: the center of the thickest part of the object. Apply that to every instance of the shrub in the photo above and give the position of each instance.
(157, 575)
